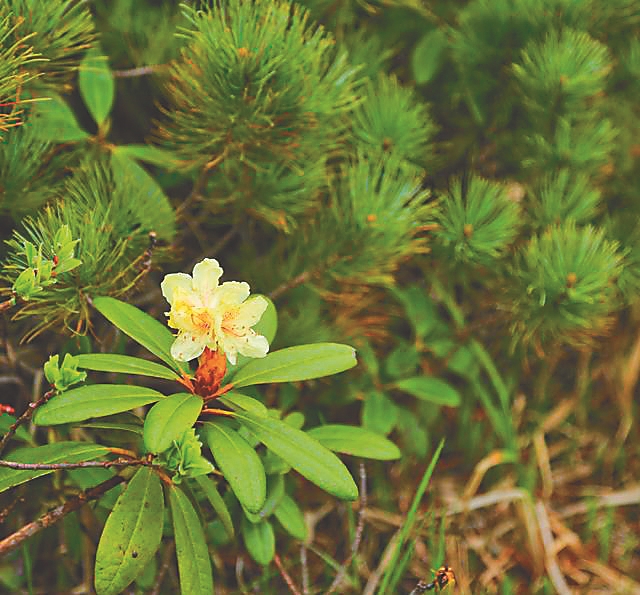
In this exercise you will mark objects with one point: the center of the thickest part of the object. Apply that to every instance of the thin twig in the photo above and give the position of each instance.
(167, 556)
(297, 280)
(24, 418)
(8, 544)
(81, 465)
(304, 569)
(201, 182)
(224, 240)
(139, 71)
(285, 576)
(359, 530)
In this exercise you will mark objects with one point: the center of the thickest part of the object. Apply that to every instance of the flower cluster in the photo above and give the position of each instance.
(207, 314)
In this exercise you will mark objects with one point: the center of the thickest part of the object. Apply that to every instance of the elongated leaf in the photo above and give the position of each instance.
(291, 518)
(169, 419)
(59, 452)
(297, 363)
(95, 400)
(260, 540)
(158, 212)
(379, 413)
(126, 421)
(124, 364)
(133, 428)
(305, 454)
(428, 56)
(97, 86)
(90, 477)
(194, 564)
(215, 499)
(430, 389)
(141, 327)
(54, 121)
(240, 402)
(240, 465)
(356, 441)
(131, 535)
(275, 493)
(148, 154)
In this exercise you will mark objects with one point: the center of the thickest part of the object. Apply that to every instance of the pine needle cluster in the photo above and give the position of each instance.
(116, 220)
(257, 83)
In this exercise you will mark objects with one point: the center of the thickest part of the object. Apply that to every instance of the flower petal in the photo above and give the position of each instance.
(176, 281)
(230, 293)
(206, 275)
(251, 311)
(187, 347)
(254, 345)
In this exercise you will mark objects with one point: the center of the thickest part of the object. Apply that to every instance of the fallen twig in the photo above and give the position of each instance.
(8, 544)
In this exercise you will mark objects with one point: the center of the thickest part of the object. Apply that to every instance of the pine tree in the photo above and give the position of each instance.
(450, 187)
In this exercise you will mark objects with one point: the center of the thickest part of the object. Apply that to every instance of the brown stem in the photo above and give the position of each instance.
(139, 71)
(24, 418)
(285, 576)
(8, 544)
(81, 465)
(359, 530)
(298, 280)
(201, 182)
(8, 304)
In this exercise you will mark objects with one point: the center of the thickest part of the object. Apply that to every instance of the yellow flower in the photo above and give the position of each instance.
(206, 314)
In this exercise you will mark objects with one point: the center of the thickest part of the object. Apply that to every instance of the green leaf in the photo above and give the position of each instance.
(210, 490)
(97, 86)
(95, 400)
(54, 121)
(305, 454)
(59, 452)
(419, 308)
(427, 56)
(194, 564)
(268, 323)
(159, 213)
(430, 389)
(106, 425)
(131, 535)
(148, 154)
(127, 421)
(141, 327)
(291, 518)
(90, 477)
(240, 465)
(275, 493)
(169, 419)
(292, 364)
(356, 441)
(240, 402)
(123, 364)
(259, 540)
(6, 421)
(379, 413)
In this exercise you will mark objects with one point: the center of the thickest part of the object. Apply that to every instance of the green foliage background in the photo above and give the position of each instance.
(451, 187)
